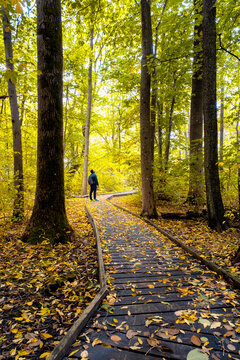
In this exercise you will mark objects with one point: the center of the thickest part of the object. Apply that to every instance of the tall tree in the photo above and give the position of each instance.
(214, 198)
(170, 124)
(146, 127)
(88, 118)
(18, 206)
(221, 125)
(195, 192)
(49, 219)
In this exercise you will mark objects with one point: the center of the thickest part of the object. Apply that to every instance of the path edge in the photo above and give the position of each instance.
(65, 343)
(210, 264)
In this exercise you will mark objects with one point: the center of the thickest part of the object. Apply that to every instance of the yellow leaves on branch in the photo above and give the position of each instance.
(16, 3)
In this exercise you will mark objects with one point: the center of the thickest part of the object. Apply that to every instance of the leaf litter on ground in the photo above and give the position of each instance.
(43, 289)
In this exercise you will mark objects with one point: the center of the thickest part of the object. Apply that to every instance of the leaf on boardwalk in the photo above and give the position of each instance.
(135, 347)
(131, 333)
(204, 322)
(84, 355)
(195, 340)
(151, 286)
(167, 333)
(96, 342)
(73, 352)
(197, 354)
(152, 342)
(115, 338)
(215, 324)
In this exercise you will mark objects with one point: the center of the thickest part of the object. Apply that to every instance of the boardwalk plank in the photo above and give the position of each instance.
(153, 287)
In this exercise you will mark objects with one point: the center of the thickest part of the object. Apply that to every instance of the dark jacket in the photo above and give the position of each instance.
(94, 178)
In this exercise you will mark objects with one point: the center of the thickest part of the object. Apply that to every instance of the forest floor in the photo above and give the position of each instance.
(215, 246)
(44, 289)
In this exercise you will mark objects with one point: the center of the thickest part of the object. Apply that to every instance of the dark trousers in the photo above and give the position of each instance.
(93, 189)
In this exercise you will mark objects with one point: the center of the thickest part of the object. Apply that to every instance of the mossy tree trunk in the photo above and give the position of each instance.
(49, 219)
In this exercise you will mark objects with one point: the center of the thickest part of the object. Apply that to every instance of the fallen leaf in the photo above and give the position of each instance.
(131, 333)
(195, 340)
(215, 325)
(197, 354)
(115, 338)
(96, 342)
(153, 342)
(231, 347)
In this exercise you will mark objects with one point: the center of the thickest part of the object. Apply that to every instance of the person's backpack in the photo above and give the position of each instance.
(90, 180)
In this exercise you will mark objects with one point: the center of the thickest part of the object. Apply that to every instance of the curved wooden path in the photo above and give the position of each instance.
(162, 303)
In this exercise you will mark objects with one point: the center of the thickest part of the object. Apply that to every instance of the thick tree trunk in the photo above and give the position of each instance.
(196, 184)
(49, 220)
(146, 129)
(88, 118)
(18, 206)
(214, 198)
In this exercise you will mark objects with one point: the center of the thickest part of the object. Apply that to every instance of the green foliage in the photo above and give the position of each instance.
(114, 134)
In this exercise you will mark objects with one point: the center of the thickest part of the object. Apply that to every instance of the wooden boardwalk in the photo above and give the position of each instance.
(162, 303)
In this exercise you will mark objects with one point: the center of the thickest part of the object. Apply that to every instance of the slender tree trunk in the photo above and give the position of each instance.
(214, 198)
(66, 121)
(196, 185)
(18, 206)
(167, 151)
(88, 118)
(238, 155)
(146, 131)
(49, 220)
(159, 119)
(221, 126)
(157, 109)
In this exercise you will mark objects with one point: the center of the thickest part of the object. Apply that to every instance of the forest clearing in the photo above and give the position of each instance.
(145, 95)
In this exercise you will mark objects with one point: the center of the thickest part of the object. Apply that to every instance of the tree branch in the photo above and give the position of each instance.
(223, 48)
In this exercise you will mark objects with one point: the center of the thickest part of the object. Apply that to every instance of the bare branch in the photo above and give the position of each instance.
(223, 48)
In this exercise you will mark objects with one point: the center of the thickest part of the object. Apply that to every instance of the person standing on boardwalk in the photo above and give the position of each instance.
(93, 182)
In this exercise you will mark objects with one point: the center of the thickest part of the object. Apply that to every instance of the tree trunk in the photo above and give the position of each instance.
(18, 206)
(146, 131)
(214, 199)
(49, 220)
(221, 126)
(238, 154)
(167, 151)
(196, 190)
(88, 118)
(160, 121)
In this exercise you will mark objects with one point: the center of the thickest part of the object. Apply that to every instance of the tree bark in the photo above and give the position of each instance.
(49, 220)
(167, 151)
(214, 199)
(196, 185)
(238, 154)
(221, 126)
(18, 206)
(146, 131)
(88, 118)
(160, 121)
